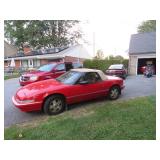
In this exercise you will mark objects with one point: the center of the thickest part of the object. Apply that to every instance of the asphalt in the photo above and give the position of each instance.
(135, 86)
(12, 115)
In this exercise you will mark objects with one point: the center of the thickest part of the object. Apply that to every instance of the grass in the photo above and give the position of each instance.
(133, 119)
(11, 76)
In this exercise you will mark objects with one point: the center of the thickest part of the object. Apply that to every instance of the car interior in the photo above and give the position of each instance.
(90, 77)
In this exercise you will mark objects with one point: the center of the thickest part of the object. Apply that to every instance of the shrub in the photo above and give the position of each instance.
(103, 64)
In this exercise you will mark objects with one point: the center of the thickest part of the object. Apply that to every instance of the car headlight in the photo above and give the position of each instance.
(33, 78)
(25, 101)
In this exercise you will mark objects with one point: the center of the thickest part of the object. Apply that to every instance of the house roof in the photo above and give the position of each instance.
(9, 50)
(74, 51)
(143, 43)
(54, 50)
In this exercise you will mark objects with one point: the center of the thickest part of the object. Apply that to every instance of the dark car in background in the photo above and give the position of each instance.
(48, 71)
(117, 70)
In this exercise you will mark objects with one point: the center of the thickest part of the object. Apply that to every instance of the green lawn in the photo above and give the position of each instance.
(11, 76)
(112, 120)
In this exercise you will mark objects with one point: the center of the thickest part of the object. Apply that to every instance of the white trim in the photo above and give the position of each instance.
(146, 56)
(51, 56)
(136, 65)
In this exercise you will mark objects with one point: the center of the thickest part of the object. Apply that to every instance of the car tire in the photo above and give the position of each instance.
(54, 104)
(124, 76)
(114, 92)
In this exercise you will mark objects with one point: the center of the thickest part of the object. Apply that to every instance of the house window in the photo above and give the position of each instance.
(30, 62)
(36, 63)
(24, 63)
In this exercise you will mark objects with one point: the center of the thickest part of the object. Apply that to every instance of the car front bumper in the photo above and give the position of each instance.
(27, 107)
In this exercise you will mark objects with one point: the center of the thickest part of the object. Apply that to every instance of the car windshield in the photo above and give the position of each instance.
(70, 77)
(115, 67)
(47, 67)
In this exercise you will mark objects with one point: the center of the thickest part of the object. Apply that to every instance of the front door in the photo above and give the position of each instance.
(93, 89)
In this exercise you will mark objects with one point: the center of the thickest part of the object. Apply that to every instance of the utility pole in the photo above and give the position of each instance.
(94, 50)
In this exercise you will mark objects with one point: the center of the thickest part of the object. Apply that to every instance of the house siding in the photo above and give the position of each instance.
(43, 61)
(73, 59)
(17, 63)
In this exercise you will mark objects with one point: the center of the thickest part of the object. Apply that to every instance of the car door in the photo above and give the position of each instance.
(91, 90)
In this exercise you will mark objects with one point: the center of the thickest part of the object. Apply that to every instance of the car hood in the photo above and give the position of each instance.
(34, 73)
(38, 88)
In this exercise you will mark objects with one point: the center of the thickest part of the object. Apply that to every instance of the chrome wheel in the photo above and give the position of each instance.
(55, 105)
(114, 92)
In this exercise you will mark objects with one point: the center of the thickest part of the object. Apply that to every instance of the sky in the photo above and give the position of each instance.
(110, 36)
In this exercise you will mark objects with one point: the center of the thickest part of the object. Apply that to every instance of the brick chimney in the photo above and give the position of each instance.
(26, 48)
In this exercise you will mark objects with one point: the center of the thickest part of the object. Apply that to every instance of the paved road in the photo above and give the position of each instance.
(136, 86)
(12, 115)
(139, 86)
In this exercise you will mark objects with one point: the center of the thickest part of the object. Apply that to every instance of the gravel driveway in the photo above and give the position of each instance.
(135, 86)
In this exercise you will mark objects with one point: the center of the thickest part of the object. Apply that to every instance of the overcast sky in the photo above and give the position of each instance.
(112, 37)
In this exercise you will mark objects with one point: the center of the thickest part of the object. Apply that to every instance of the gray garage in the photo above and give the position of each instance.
(142, 51)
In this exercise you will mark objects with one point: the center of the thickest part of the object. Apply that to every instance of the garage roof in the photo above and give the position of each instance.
(143, 43)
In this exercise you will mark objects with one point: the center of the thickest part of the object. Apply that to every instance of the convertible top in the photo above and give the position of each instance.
(101, 74)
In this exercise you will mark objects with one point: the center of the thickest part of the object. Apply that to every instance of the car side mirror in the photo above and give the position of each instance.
(83, 82)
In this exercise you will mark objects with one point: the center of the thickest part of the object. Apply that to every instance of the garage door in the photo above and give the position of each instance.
(143, 62)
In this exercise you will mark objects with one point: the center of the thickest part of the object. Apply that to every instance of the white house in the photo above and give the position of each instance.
(142, 51)
(32, 59)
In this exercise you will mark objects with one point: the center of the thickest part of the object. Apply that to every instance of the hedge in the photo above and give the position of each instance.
(103, 64)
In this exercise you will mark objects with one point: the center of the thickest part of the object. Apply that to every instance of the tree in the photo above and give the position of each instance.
(99, 54)
(118, 57)
(147, 26)
(42, 34)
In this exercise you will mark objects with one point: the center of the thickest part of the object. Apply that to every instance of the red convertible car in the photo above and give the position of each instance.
(76, 85)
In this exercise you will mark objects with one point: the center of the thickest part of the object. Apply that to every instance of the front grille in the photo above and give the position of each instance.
(24, 78)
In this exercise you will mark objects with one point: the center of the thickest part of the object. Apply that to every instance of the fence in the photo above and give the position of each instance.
(10, 71)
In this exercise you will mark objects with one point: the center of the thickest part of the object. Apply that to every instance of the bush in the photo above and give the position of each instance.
(103, 64)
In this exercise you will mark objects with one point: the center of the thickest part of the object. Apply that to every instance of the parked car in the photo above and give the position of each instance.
(48, 71)
(74, 86)
(143, 69)
(117, 70)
